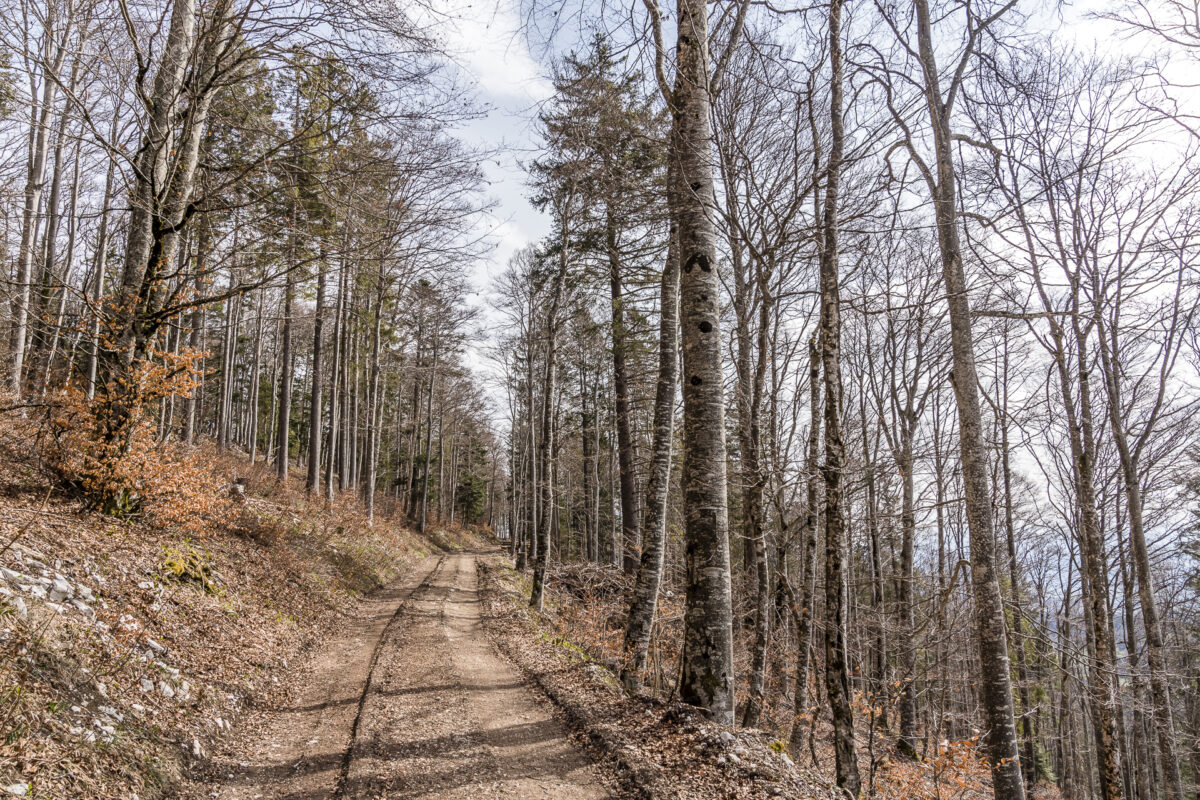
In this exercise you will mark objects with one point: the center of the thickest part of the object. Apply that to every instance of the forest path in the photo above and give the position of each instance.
(411, 701)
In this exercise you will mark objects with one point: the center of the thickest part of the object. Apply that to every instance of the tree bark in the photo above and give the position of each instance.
(313, 481)
(996, 683)
(626, 457)
(644, 603)
(706, 678)
(547, 448)
(1164, 723)
(802, 611)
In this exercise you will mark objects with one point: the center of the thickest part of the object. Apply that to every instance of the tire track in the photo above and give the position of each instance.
(348, 757)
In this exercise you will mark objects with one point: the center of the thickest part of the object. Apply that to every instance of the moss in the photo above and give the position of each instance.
(189, 565)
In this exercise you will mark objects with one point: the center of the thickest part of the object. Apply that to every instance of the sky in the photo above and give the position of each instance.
(486, 42)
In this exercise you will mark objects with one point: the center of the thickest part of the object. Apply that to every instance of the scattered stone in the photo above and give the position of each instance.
(19, 605)
(726, 738)
(155, 646)
(37, 591)
(112, 713)
(9, 575)
(55, 607)
(17, 789)
(196, 751)
(86, 594)
(83, 608)
(734, 759)
(165, 689)
(60, 590)
(146, 686)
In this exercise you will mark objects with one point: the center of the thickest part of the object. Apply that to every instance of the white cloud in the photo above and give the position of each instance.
(487, 41)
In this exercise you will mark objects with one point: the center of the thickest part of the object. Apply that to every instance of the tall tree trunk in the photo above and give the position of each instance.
(837, 674)
(626, 457)
(313, 479)
(644, 602)
(1029, 759)
(753, 511)
(287, 371)
(1164, 722)
(428, 441)
(55, 50)
(547, 446)
(802, 610)
(375, 404)
(706, 677)
(996, 681)
(586, 421)
(101, 269)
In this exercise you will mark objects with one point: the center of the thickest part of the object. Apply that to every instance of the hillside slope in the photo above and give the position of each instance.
(127, 650)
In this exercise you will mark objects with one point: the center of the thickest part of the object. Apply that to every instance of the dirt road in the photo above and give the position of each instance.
(411, 701)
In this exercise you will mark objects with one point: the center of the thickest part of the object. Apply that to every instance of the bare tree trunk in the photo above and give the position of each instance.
(313, 479)
(547, 446)
(644, 602)
(374, 404)
(753, 506)
(101, 268)
(996, 681)
(837, 674)
(1164, 723)
(286, 359)
(803, 610)
(255, 378)
(428, 441)
(626, 457)
(706, 678)
(1018, 635)
(35, 177)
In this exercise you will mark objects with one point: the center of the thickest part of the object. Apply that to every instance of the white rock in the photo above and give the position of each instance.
(146, 686)
(137, 707)
(17, 789)
(196, 751)
(55, 607)
(733, 759)
(184, 690)
(37, 591)
(145, 585)
(102, 690)
(86, 594)
(83, 608)
(61, 590)
(10, 575)
(155, 646)
(109, 711)
(165, 689)
(726, 737)
(19, 605)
